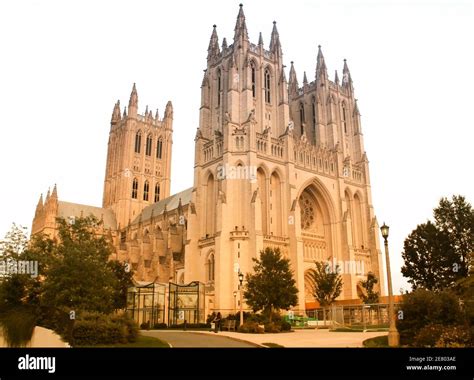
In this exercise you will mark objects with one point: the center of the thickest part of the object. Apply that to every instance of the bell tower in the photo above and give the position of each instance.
(138, 165)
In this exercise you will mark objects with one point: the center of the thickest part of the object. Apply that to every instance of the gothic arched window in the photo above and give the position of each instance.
(302, 117)
(157, 193)
(313, 116)
(219, 87)
(267, 86)
(344, 120)
(138, 142)
(210, 267)
(159, 148)
(135, 189)
(308, 210)
(149, 141)
(146, 190)
(253, 75)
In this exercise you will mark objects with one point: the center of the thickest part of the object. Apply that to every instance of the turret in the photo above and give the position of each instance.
(213, 50)
(133, 103)
(275, 45)
(321, 70)
(39, 206)
(240, 30)
(346, 77)
(116, 116)
(293, 81)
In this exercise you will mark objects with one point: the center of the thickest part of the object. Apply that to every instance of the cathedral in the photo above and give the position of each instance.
(276, 165)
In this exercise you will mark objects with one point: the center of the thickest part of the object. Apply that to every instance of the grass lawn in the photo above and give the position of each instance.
(358, 329)
(378, 341)
(142, 341)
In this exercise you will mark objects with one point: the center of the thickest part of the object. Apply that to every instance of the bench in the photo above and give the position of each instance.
(228, 324)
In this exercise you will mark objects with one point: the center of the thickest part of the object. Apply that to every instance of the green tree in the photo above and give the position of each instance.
(271, 287)
(371, 296)
(18, 314)
(456, 218)
(436, 254)
(327, 283)
(124, 276)
(79, 277)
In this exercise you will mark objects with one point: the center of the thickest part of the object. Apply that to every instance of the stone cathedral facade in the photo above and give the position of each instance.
(276, 165)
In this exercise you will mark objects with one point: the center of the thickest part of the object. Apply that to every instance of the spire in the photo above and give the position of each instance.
(346, 76)
(305, 80)
(205, 79)
(47, 197)
(260, 39)
(157, 115)
(54, 194)
(124, 112)
(336, 78)
(213, 49)
(146, 110)
(321, 70)
(133, 97)
(169, 110)
(283, 75)
(39, 206)
(356, 108)
(116, 113)
(293, 81)
(224, 44)
(240, 26)
(275, 45)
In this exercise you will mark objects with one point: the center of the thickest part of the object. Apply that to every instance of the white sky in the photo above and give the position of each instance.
(65, 63)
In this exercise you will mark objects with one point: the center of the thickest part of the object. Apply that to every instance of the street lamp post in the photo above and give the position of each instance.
(241, 280)
(393, 335)
(235, 301)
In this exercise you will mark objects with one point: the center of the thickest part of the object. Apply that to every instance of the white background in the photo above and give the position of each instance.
(63, 64)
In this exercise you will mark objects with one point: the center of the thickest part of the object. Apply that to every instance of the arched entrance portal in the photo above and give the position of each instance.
(316, 226)
(316, 214)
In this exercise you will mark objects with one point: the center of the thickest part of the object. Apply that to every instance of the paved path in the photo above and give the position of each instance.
(298, 338)
(308, 338)
(196, 339)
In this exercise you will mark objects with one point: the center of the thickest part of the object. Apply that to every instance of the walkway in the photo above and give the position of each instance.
(308, 338)
(298, 338)
(196, 339)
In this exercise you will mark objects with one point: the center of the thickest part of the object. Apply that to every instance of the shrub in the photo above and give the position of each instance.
(191, 326)
(251, 328)
(285, 326)
(129, 326)
(455, 336)
(428, 335)
(160, 326)
(145, 325)
(422, 307)
(92, 329)
(272, 327)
